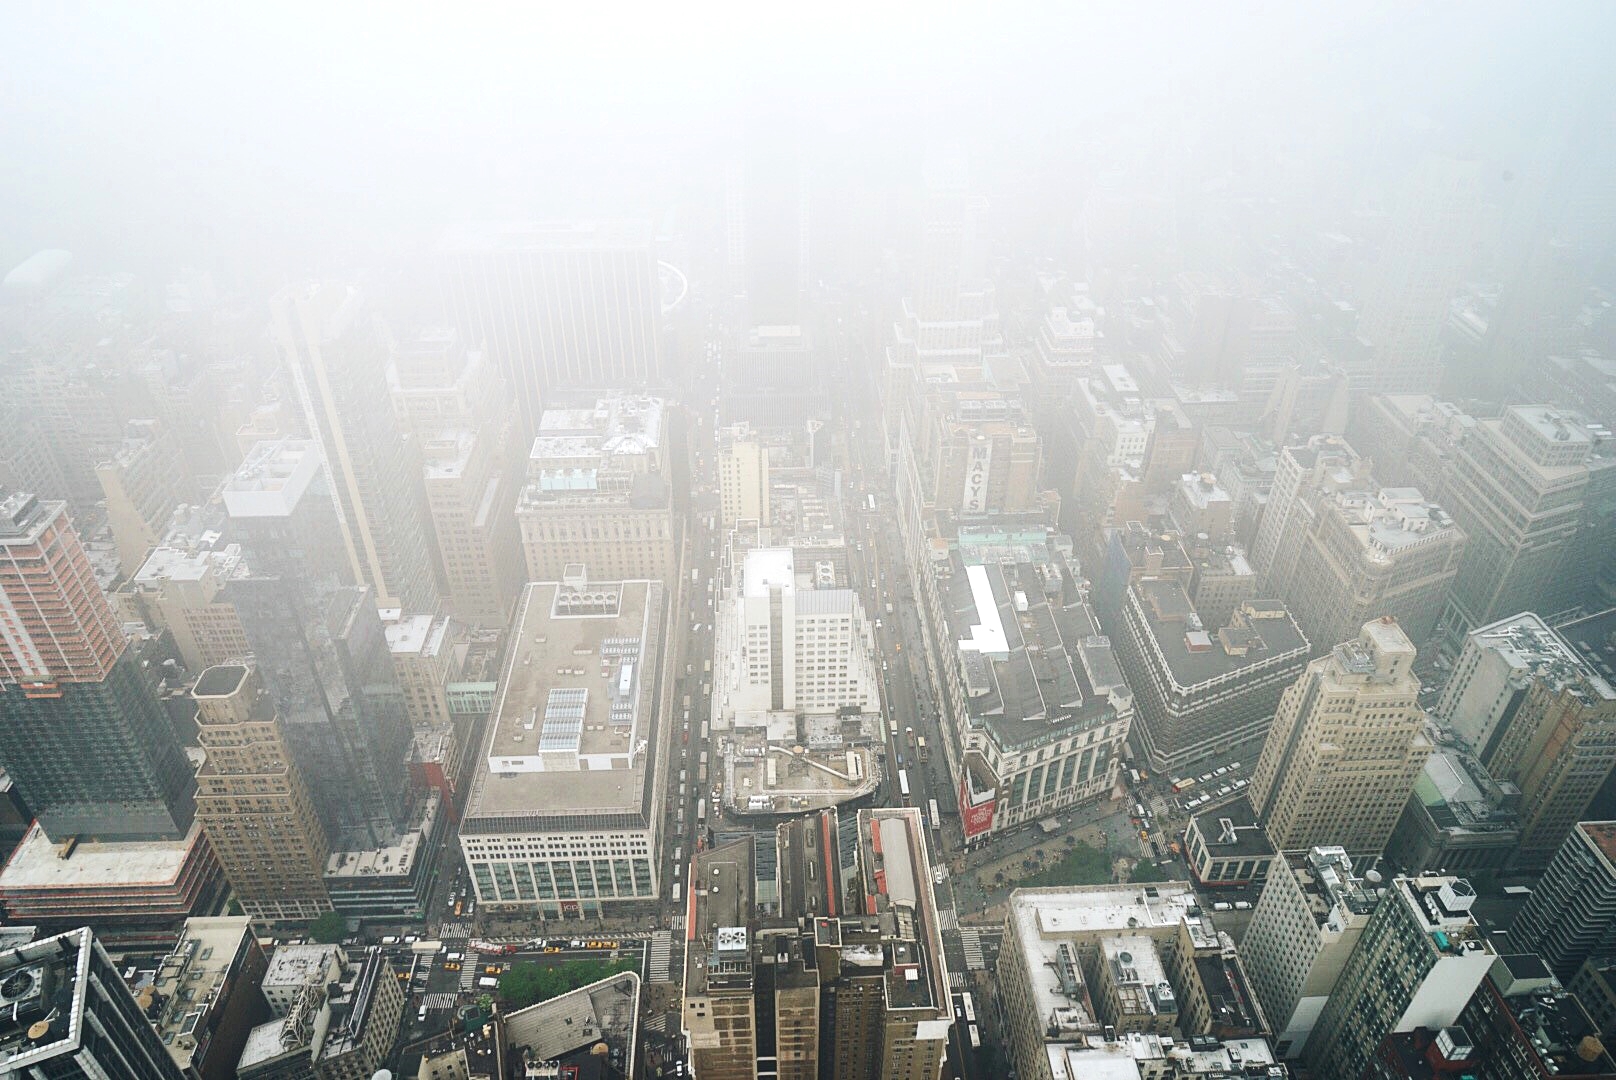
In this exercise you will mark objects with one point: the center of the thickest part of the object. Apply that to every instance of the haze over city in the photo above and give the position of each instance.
(1063, 542)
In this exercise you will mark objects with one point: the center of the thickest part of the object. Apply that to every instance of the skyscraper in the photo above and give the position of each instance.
(337, 361)
(253, 803)
(81, 732)
(1571, 915)
(1428, 245)
(319, 643)
(68, 1015)
(453, 405)
(1417, 962)
(1345, 747)
(1538, 716)
(557, 305)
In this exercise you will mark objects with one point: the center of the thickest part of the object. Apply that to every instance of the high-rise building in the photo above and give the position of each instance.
(1201, 688)
(1516, 486)
(1304, 927)
(574, 754)
(743, 475)
(252, 801)
(450, 401)
(70, 1016)
(1417, 961)
(337, 362)
(795, 649)
(1458, 817)
(720, 1019)
(1571, 915)
(181, 588)
(81, 732)
(1341, 550)
(1428, 245)
(142, 486)
(1539, 717)
(205, 998)
(1524, 1023)
(1345, 748)
(319, 644)
(599, 493)
(557, 305)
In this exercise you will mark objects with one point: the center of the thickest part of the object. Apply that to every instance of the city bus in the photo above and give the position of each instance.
(869, 503)
(903, 782)
(920, 745)
(935, 815)
(970, 1007)
(1184, 785)
(701, 812)
(976, 1037)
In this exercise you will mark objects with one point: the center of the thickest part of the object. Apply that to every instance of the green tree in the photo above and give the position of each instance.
(528, 984)
(328, 929)
(1144, 872)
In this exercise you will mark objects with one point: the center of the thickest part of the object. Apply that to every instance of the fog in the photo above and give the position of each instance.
(187, 133)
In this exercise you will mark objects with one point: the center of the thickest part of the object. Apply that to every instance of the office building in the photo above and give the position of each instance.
(252, 801)
(142, 485)
(743, 475)
(337, 361)
(69, 1015)
(843, 976)
(81, 733)
(1428, 245)
(564, 815)
(1517, 485)
(1571, 915)
(1035, 711)
(391, 879)
(319, 645)
(1305, 925)
(206, 997)
(1202, 688)
(1458, 818)
(1342, 550)
(1595, 986)
(426, 658)
(599, 493)
(180, 588)
(792, 647)
(1541, 716)
(1345, 747)
(557, 305)
(1062, 978)
(448, 399)
(340, 1023)
(1417, 961)
(122, 887)
(1524, 1024)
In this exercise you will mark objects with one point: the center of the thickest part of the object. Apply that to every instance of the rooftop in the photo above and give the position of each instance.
(417, 635)
(1034, 661)
(294, 965)
(1230, 830)
(272, 478)
(47, 990)
(621, 425)
(573, 1023)
(718, 952)
(1258, 636)
(1602, 834)
(38, 863)
(1580, 651)
(192, 977)
(574, 719)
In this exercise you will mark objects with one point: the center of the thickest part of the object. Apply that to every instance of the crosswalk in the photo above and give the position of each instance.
(468, 972)
(947, 918)
(971, 942)
(440, 1001)
(661, 953)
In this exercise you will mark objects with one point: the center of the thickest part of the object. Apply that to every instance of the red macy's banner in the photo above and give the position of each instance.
(976, 818)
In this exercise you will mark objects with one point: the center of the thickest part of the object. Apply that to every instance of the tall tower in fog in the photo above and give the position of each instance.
(557, 305)
(81, 732)
(338, 365)
(1427, 248)
(766, 218)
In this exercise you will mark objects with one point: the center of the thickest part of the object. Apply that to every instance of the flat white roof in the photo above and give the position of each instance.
(272, 479)
(93, 865)
(987, 633)
(768, 566)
